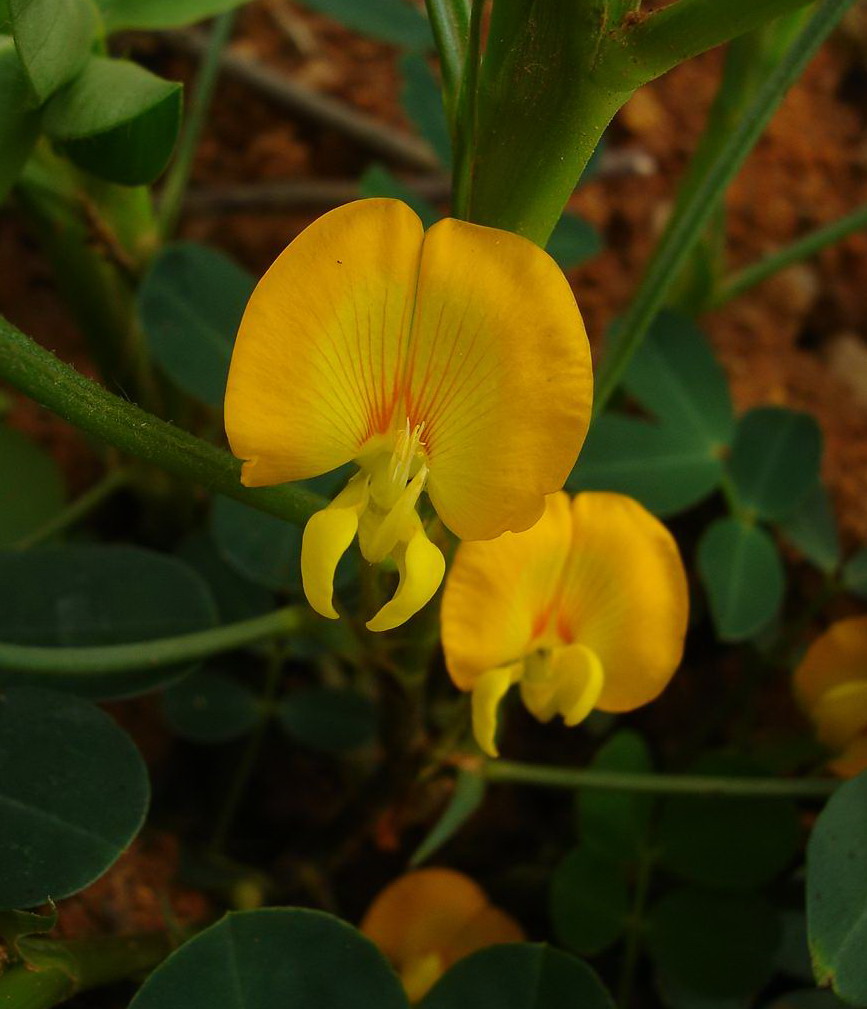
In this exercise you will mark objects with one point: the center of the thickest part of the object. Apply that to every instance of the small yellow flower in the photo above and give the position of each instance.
(453, 362)
(831, 685)
(588, 609)
(427, 920)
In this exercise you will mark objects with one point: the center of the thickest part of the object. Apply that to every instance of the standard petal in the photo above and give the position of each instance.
(422, 566)
(427, 920)
(320, 354)
(489, 690)
(835, 657)
(499, 594)
(499, 372)
(421, 912)
(489, 927)
(326, 539)
(624, 597)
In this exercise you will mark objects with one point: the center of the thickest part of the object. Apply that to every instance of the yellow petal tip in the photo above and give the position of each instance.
(326, 538)
(422, 566)
(489, 691)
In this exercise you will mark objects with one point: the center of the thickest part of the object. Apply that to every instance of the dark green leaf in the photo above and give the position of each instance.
(116, 120)
(743, 575)
(775, 460)
(573, 241)
(422, 102)
(658, 465)
(271, 959)
(613, 823)
(676, 377)
(675, 996)
(327, 719)
(319, 638)
(808, 998)
(261, 547)
(812, 528)
(31, 488)
(395, 21)
(519, 976)
(855, 573)
(378, 181)
(727, 842)
(715, 944)
(189, 305)
(99, 595)
(122, 15)
(267, 550)
(237, 598)
(465, 800)
(837, 892)
(53, 38)
(19, 123)
(210, 707)
(73, 794)
(588, 901)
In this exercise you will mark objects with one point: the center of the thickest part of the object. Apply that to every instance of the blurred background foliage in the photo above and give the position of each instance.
(283, 760)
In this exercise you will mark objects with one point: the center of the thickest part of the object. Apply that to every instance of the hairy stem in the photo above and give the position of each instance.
(38, 373)
(156, 654)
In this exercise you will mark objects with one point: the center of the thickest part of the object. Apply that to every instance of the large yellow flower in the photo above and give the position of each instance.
(453, 362)
(831, 684)
(588, 609)
(427, 920)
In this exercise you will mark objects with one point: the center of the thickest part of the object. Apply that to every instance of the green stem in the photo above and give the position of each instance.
(99, 238)
(87, 963)
(179, 175)
(749, 60)
(23, 988)
(500, 771)
(689, 220)
(649, 46)
(39, 374)
(77, 510)
(466, 117)
(634, 930)
(450, 22)
(540, 113)
(244, 767)
(156, 654)
(805, 247)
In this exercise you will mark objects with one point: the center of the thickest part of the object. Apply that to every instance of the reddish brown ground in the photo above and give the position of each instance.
(138, 894)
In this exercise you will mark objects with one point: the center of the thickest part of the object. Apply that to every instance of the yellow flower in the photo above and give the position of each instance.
(588, 609)
(427, 920)
(453, 362)
(831, 685)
